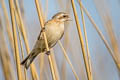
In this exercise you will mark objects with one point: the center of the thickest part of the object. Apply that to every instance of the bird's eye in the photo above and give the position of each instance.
(64, 16)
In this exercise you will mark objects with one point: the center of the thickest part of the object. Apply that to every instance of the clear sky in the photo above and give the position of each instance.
(99, 53)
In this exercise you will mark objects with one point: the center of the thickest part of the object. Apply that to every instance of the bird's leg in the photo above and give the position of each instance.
(43, 29)
(48, 52)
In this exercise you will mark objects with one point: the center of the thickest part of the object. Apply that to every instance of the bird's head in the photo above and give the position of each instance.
(62, 17)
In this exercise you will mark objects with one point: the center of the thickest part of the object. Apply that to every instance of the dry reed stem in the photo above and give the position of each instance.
(63, 68)
(46, 9)
(81, 40)
(9, 32)
(65, 44)
(108, 24)
(52, 68)
(86, 40)
(44, 16)
(32, 67)
(42, 60)
(68, 60)
(101, 36)
(42, 25)
(6, 64)
(112, 37)
(21, 47)
(46, 74)
(4, 56)
(15, 40)
(22, 26)
(42, 56)
(52, 58)
(22, 9)
(55, 65)
(107, 21)
(67, 8)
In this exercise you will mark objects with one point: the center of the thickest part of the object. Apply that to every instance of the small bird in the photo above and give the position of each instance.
(54, 30)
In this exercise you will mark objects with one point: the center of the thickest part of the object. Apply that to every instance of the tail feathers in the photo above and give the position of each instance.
(28, 60)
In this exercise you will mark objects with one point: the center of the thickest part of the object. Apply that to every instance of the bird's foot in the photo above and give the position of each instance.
(43, 29)
(48, 52)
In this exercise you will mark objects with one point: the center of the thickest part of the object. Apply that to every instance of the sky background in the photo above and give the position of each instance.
(103, 65)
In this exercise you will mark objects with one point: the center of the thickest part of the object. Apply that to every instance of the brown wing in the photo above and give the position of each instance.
(40, 36)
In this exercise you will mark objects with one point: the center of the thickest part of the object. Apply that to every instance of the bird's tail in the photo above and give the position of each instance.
(28, 60)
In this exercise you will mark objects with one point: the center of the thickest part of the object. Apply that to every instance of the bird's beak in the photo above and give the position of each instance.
(69, 19)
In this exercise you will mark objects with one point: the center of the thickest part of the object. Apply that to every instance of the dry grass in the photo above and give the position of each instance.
(54, 65)
(17, 57)
(81, 41)
(68, 60)
(86, 40)
(102, 37)
(5, 57)
(21, 25)
(47, 48)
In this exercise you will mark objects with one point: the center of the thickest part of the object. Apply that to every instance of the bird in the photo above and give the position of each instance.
(54, 29)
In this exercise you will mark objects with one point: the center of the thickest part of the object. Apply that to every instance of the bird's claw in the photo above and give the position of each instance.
(48, 52)
(43, 29)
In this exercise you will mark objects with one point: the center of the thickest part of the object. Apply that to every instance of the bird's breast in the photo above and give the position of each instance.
(54, 33)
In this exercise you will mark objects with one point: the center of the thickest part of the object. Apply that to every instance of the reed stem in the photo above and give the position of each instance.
(81, 40)
(68, 60)
(21, 25)
(25, 73)
(86, 40)
(11, 6)
(42, 26)
(102, 37)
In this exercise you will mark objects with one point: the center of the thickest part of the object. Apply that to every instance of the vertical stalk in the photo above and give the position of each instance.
(8, 26)
(68, 60)
(11, 5)
(86, 40)
(42, 25)
(102, 37)
(42, 61)
(9, 32)
(18, 15)
(81, 40)
(21, 45)
(5, 61)
(55, 65)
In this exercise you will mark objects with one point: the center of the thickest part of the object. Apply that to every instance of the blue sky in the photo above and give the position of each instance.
(100, 58)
